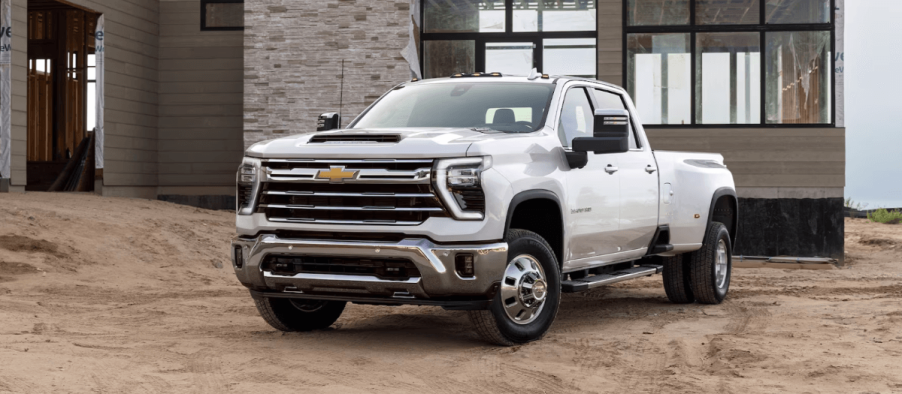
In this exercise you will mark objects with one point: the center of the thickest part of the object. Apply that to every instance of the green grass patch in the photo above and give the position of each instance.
(885, 216)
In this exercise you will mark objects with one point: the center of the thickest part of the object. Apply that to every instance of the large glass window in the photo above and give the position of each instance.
(728, 72)
(554, 15)
(509, 57)
(798, 74)
(657, 12)
(707, 68)
(570, 56)
(797, 11)
(446, 57)
(658, 66)
(464, 16)
(512, 37)
(721, 12)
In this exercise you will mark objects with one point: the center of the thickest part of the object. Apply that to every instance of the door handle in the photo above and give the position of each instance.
(611, 169)
(650, 169)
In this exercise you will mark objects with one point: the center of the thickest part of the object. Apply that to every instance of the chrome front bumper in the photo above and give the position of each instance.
(438, 278)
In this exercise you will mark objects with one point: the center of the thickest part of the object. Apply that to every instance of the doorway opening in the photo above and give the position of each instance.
(61, 96)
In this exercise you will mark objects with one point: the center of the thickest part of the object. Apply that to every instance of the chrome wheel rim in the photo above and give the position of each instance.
(721, 264)
(307, 305)
(523, 289)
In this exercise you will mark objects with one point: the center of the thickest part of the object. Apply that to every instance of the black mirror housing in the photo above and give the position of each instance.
(610, 135)
(328, 121)
(577, 159)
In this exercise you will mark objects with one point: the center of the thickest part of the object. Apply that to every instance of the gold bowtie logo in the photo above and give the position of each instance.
(336, 174)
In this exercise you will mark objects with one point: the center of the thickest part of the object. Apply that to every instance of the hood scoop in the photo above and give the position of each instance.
(355, 138)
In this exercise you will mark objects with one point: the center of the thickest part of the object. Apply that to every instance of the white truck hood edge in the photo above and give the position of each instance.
(414, 143)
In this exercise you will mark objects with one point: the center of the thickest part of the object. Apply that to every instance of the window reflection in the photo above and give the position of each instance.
(659, 79)
(728, 78)
(508, 57)
(798, 77)
(444, 58)
(569, 56)
(464, 16)
(554, 15)
(657, 12)
(733, 12)
(797, 11)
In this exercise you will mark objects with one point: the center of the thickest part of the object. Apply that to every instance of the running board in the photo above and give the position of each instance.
(573, 286)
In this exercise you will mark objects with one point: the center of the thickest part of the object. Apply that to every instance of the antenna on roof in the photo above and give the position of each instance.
(533, 75)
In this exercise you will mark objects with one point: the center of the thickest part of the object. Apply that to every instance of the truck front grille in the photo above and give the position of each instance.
(388, 269)
(390, 192)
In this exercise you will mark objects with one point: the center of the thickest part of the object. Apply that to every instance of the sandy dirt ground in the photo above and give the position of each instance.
(108, 295)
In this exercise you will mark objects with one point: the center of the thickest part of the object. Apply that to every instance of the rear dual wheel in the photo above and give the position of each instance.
(703, 275)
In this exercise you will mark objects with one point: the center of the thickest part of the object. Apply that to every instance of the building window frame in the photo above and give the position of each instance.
(762, 28)
(203, 16)
(480, 39)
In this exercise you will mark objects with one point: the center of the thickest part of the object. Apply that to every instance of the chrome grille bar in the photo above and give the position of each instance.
(335, 221)
(349, 191)
(343, 194)
(340, 208)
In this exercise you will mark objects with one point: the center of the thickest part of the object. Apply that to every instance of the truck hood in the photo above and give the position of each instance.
(373, 143)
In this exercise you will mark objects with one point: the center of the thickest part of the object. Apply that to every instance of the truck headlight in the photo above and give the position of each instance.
(248, 185)
(458, 183)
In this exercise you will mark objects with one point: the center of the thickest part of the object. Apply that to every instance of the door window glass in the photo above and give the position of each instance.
(608, 100)
(576, 117)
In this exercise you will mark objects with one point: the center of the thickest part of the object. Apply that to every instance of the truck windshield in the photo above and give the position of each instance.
(507, 106)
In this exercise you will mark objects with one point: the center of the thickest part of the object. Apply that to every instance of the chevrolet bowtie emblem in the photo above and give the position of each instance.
(336, 174)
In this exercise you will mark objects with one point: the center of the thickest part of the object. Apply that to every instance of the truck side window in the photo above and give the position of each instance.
(608, 100)
(577, 117)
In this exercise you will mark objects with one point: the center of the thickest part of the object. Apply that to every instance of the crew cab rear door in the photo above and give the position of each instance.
(638, 180)
(593, 192)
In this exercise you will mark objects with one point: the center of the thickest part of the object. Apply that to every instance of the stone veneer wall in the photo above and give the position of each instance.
(292, 61)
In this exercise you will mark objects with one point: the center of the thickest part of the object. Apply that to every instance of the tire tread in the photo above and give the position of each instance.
(700, 263)
(676, 279)
(485, 321)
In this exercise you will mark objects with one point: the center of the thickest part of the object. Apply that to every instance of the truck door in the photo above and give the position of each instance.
(638, 183)
(593, 192)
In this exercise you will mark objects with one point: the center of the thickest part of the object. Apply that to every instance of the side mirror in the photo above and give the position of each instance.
(611, 133)
(328, 121)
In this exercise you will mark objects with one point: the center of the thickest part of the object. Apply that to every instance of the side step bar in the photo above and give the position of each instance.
(573, 286)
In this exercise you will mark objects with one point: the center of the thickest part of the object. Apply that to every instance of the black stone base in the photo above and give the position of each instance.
(790, 227)
(226, 203)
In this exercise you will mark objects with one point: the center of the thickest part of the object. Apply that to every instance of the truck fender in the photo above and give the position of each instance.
(528, 195)
(733, 227)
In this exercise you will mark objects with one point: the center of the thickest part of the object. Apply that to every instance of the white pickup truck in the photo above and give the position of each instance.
(482, 192)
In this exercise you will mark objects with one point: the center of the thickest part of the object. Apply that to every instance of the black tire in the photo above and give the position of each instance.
(494, 325)
(676, 279)
(702, 266)
(289, 315)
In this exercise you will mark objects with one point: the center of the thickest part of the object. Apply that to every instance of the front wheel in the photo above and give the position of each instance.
(711, 266)
(527, 302)
(289, 314)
